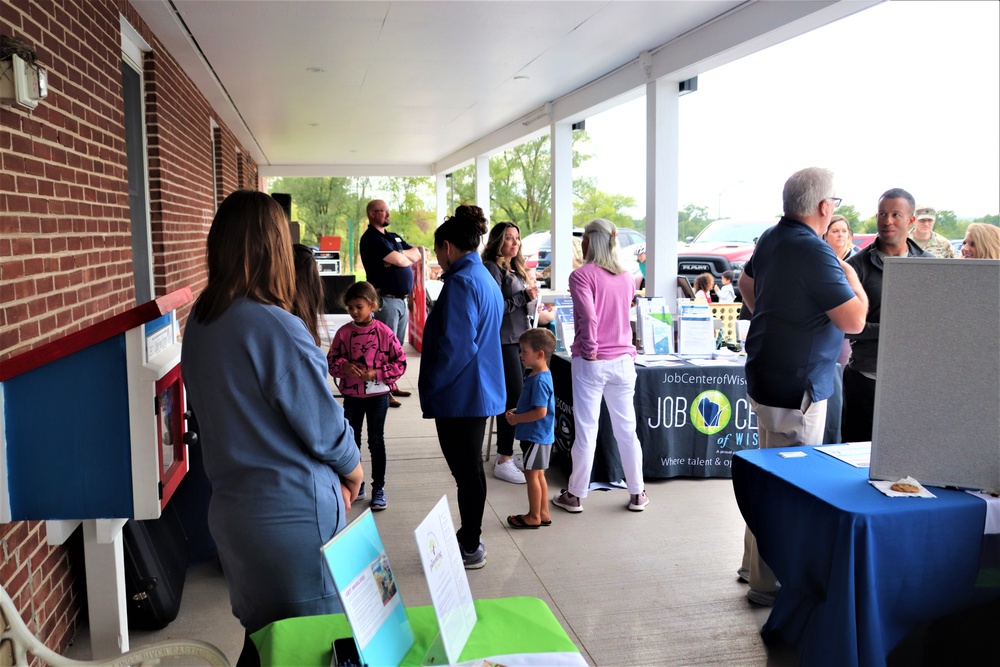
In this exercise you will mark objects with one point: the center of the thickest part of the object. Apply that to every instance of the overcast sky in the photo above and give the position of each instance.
(904, 94)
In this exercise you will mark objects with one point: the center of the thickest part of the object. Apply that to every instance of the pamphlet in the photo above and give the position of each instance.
(448, 584)
(654, 325)
(564, 323)
(697, 332)
(857, 454)
(368, 592)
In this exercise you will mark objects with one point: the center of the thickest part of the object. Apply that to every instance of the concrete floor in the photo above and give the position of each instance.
(657, 587)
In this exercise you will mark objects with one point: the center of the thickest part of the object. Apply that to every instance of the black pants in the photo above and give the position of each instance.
(859, 407)
(513, 377)
(461, 440)
(374, 408)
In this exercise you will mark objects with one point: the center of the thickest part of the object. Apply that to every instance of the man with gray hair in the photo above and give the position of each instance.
(803, 299)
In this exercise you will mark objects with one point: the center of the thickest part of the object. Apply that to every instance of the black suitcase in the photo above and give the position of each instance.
(156, 557)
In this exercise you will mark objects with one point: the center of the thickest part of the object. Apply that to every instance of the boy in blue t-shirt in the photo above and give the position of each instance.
(534, 421)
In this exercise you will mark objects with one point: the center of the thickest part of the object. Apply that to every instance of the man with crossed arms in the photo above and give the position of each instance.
(388, 259)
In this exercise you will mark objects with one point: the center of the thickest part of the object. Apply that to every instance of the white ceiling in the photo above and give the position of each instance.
(411, 87)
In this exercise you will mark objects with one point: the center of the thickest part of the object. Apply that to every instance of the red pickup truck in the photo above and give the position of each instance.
(725, 245)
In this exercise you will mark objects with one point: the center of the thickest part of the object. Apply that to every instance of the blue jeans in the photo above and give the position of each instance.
(394, 314)
(374, 408)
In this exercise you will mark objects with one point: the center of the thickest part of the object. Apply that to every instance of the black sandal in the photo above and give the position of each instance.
(517, 521)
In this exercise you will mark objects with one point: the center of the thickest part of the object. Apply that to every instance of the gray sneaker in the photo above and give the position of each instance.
(638, 501)
(743, 574)
(378, 500)
(475, 559)
(568, 502)
(763, 598)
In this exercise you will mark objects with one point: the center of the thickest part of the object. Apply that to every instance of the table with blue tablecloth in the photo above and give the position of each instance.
(690, 418)
(858, 570)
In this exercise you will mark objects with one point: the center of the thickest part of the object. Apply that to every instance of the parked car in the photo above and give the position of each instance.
(530, 245)
(630, 242)
(724, 245)
(862, 241)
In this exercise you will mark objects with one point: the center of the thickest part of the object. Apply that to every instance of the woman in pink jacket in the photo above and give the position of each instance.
(603, 364)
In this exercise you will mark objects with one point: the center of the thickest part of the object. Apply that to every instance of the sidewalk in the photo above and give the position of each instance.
(631, 588)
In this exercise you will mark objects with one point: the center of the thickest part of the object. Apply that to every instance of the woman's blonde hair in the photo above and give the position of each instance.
(602, 245)
(249, 255)
(986, 238)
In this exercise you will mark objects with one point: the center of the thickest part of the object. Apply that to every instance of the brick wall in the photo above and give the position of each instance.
(65, 235)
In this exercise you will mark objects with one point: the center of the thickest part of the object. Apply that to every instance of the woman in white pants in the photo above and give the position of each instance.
(603, 364)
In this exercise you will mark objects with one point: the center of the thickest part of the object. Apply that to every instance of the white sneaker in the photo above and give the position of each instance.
(508, 472)
(518, 461)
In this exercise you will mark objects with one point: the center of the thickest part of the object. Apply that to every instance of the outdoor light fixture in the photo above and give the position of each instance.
(22, 80)
(688, 86)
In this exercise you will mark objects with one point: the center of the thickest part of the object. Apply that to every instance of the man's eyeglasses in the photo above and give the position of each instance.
(836, 201)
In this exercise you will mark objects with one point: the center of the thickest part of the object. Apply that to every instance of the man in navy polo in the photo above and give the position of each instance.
(388, 260)
(803, 299)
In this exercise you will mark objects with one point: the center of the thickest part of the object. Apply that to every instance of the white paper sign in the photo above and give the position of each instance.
(446, 579)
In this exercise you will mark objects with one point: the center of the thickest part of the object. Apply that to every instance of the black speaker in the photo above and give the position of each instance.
(333, 292)
(286, 203)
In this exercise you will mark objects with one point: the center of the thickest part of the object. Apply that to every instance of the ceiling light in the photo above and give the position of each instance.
(521, 77)
(315, 70)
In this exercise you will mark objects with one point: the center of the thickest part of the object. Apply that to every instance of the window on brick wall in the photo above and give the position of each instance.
(138, 175)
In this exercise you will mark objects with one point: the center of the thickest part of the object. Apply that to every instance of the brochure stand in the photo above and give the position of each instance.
(697, 334)
(448, 583)
(368, 592)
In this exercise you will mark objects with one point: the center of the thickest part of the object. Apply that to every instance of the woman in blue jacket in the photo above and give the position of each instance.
(461, 370)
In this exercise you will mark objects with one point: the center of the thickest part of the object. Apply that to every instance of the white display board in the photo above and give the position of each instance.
(937, 396)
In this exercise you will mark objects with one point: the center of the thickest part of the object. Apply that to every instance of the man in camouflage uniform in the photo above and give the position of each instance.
(923, 234)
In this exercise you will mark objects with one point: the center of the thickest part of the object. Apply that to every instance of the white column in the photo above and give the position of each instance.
(662, 171)
(104, 560)
(483, 183)
(441, 192)
(561, 137)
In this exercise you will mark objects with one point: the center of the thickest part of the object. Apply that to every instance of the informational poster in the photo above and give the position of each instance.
(447, 582)
(368, 592)
(654, 325)
(697, 333)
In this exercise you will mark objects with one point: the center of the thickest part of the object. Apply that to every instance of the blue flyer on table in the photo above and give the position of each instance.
(368, 592)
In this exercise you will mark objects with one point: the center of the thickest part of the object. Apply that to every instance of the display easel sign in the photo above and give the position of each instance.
(654, 325)
(565, 330)
(368, 592)
(448, 584)
(697, 333)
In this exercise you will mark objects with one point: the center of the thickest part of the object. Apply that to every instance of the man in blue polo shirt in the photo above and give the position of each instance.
(388, 260)
(803, 299)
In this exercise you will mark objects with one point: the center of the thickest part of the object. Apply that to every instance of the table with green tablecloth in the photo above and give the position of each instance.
(522, 630)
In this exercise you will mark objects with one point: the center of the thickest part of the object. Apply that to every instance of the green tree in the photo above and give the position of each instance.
(853, 217)
(408, 197)
(593, 203)
(691, 220)
(320, 205)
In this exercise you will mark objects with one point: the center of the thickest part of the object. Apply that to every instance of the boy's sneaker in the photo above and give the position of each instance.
(568, 502)
(518, 462)
(378, 500)
(638, 501)
(508, 472)
(475, 559)
(361, 491)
